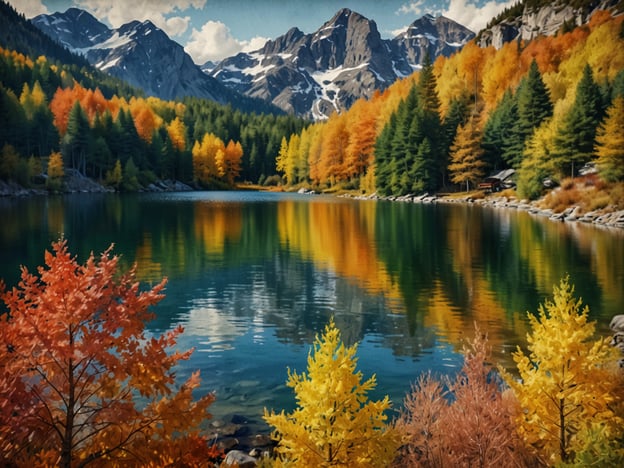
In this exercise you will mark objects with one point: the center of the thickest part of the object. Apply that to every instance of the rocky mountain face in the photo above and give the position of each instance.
(310, 75)
(139, 53)
(541, 18)
(344, 60)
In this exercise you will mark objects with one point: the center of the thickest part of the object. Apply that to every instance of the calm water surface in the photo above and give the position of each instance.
(253, 277)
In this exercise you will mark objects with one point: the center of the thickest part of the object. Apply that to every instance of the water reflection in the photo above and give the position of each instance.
(253, 277)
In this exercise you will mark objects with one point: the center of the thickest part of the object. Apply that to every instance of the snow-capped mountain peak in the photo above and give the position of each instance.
(345, 59)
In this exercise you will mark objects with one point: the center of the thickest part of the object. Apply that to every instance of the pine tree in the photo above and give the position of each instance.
(334, 424)
(610, 143)
(431, 124)
(533, 107)
(383, 157)
(76, 143)
(497, 135)
(575, 139)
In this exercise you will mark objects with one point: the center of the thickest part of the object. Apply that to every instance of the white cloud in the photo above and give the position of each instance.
(30, 8)
(397, 32)
(475, 18)
(176, 26)
(465, 12)
(215, 42)
(412, 8)
(157, 11)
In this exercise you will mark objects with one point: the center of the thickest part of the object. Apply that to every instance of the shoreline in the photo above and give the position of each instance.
(611, 219)
(606, 218)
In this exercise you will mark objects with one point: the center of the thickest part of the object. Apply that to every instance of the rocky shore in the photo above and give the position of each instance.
(243, 447)
(608, 217)
(75, 182)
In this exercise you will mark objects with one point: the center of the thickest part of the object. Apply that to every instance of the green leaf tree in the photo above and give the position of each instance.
(567, 387)
(334, 424)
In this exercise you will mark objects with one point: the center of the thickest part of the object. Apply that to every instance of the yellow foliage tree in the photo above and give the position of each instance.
(568, 385)
(610, 142)
(334, 423)
(282, 163)
(177, 132)
(233, 156)
(55, 171)
(115, 175)
(467, 165)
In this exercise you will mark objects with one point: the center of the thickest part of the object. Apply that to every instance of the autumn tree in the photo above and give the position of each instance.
(82, 381)
(463, 421)
(114, 177)
(55, 171)
(40, 131)
(334, 424)
(567, 387)
(467, 165)
(177, 132)
(537, 163)
(359, 152)
(610, 142)
(283, 163)
(233, 157)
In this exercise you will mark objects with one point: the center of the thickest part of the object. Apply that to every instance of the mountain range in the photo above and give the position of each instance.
(344, 60)
(311, 75)
(141, 54)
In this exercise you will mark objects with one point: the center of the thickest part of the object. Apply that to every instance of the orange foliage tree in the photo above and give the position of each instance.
(82, 381)
(473, 428)
(233, 157)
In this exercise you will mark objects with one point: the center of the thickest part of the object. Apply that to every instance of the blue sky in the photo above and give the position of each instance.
(214, 29)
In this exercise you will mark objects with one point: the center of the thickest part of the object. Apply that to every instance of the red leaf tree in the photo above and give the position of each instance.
(81, 379)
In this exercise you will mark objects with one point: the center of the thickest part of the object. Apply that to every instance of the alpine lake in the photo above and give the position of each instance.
(253, 277)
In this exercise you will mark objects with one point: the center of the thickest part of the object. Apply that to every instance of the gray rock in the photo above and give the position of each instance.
(617, 323)
(545, 20)
(346, 59)
(239, 459)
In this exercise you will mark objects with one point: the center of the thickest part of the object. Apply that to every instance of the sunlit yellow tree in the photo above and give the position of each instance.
(568, 385)
(467, 165)
(55, 171)
(610, 142)
(334, 424)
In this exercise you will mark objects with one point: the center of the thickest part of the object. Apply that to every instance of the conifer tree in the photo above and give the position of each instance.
(383, 156)
(76, 144)
(497, 136)
(431, 124)
(575, 139)
(567, 387)
(467, 165)
(534, 106)
(334, 424)
(610, 143)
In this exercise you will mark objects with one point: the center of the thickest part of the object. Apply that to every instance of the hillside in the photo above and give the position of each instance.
(345, 59)
(529, 19)
(142, 55)
(477, 112)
